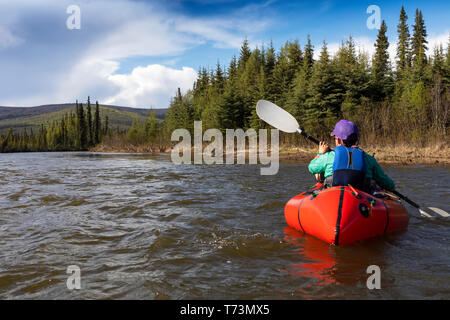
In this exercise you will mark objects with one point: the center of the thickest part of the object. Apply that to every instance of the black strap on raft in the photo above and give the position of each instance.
(314, 195)
(339, 216)
(357, 195)
(387, 216)
(298, 215)
(309, 191)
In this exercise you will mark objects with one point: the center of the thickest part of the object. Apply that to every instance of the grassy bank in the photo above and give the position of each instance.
(401, 154)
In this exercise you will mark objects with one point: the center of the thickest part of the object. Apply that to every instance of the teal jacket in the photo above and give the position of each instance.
(324, 163)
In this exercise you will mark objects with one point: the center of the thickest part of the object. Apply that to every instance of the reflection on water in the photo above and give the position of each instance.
(328, 266)
(318, 259)
(140, 227)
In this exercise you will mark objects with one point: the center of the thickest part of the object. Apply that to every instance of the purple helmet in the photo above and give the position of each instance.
(345, 130)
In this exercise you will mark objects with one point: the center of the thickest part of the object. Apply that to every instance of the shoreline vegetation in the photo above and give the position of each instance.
(400, 104)
(392, 155)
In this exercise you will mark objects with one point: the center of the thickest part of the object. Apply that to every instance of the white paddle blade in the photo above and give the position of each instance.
(425, 214)
(440, 212)
(276, 116)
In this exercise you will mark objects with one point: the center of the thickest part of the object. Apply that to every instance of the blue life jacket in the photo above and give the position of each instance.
(349, 167)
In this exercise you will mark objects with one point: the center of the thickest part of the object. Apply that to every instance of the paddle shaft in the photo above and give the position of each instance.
(406, 199)
(307, 136)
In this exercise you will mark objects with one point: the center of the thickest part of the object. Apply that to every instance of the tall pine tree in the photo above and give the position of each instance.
(97, 127)
(403, 46)
(381, 82)
(82, 131)
(90, 139)
(419, 46)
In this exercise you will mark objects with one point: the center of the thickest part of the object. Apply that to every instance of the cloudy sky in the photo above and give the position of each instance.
(136, 53)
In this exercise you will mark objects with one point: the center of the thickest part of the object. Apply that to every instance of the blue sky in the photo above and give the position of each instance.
(136, 53)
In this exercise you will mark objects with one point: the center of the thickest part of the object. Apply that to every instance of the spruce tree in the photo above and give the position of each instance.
(308, 60)
(282, 77)
(351, 76)
(382, 82)
(63, 131)
(245, 53)
(219, 79)
(106, 128)
(403, 46)
(151, 126)
(438, 65)
(295, 58)
(325, 94)
(419, 47)
(231, 107)
(298, 95)
(448, 52)
(232, 70)
(90, 140)
(249, 85)
(5, 140)
(269, 66)
(82, 131)
(181, 112)
(97, 124)
(447, 63)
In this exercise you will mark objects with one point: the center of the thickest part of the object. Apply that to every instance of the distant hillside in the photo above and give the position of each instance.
(20, 118)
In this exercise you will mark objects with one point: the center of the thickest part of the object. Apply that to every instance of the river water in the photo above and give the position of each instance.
(140, 227)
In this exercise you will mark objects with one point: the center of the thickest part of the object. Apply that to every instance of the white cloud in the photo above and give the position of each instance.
(152, 36)
(155, 34)
(7, 39)
(212, 30)
(150, 86)
(87, 77)
(436, 40)
(366, 44)
(57, 65)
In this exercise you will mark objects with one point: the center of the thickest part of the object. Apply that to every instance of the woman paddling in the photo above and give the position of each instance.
(348, 164)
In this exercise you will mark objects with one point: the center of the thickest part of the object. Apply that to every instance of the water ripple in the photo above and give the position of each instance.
(140, 227)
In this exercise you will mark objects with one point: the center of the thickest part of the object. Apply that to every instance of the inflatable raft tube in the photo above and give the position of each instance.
(343, 215)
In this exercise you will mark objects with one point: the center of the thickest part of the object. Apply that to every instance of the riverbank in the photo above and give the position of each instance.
(396, 155)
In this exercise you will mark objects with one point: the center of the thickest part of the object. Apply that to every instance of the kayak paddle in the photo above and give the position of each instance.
(415, 205)
(284, 121)
(280, 119)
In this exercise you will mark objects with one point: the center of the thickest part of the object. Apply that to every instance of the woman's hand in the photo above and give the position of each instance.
(323, 147)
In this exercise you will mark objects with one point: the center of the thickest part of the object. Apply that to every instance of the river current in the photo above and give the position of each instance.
(138, 226)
